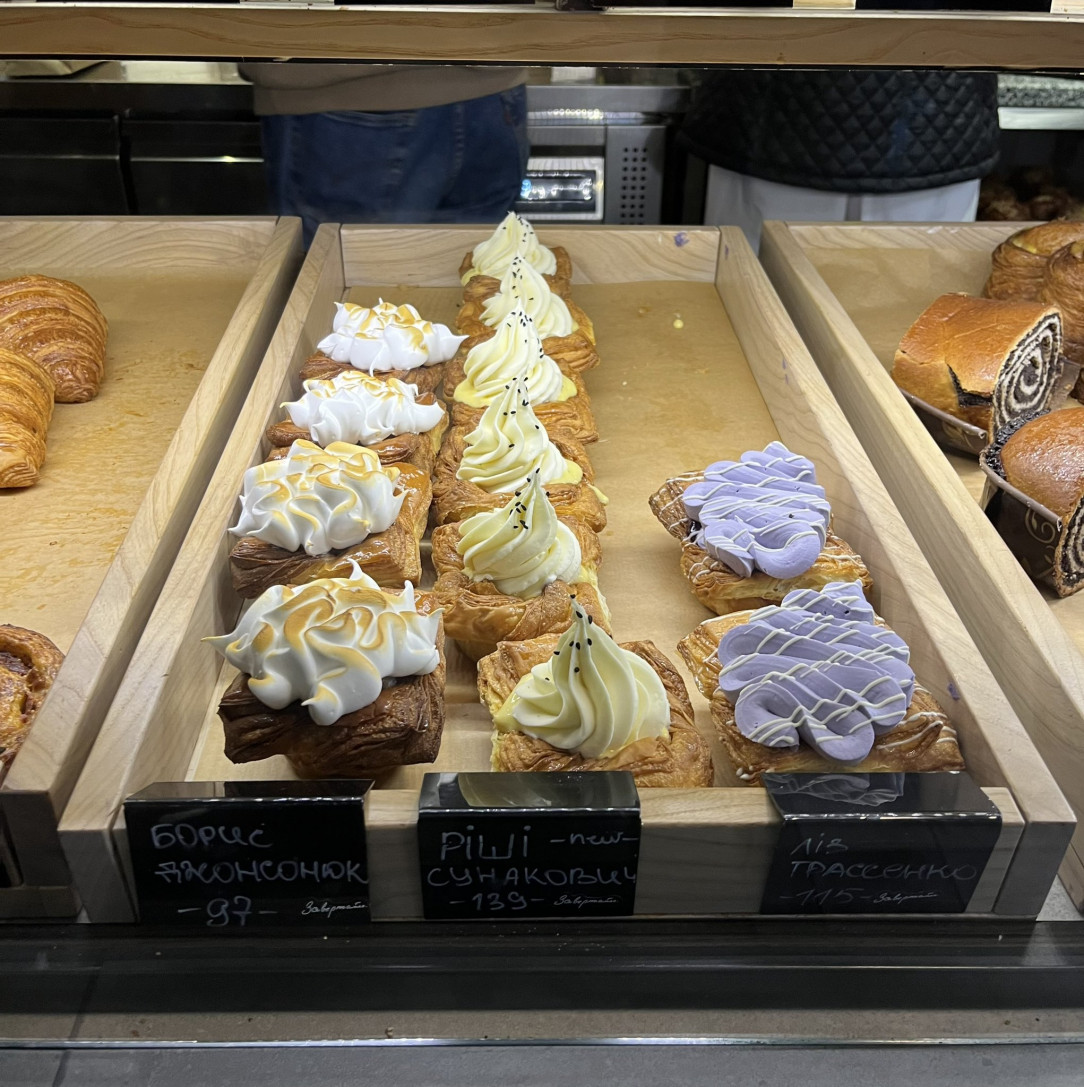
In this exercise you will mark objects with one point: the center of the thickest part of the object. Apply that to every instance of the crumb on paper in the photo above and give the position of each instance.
(642, 311)
(678, 322)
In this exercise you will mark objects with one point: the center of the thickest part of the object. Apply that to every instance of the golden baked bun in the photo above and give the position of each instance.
(58, 325)
(1045, 459)
(982, 360)
(29, 663)
(1063, 286)
(26, 406)
(1018, 263)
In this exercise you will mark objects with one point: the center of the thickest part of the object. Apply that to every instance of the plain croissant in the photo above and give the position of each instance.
(58, 325)
(26, 406)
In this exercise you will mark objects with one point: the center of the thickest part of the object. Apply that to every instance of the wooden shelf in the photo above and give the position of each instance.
(538, 34)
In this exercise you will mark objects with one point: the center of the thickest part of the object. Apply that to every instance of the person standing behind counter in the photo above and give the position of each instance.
(387, 143)
(834, 145)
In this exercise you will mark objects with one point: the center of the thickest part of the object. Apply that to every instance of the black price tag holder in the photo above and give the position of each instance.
(878, 843)
(236, 855)
(502, 846)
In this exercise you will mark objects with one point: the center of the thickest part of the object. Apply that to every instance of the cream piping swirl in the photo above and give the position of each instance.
(522, 547)
(522, 286)
(331, 644)
(591, 696)
(353, 407)
(319, 499)
(512, 237)
(509, 444)
(514, 349)
(386, 337)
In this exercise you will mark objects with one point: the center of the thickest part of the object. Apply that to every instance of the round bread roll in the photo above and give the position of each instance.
(1045, 459)
(1018, 263)
(1063, 286)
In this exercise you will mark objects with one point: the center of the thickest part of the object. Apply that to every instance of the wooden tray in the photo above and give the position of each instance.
(853, 290)
(699, 362)
(191, 306)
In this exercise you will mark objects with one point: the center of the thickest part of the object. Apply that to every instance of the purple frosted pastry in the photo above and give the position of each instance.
(764, 512)
(817, 669)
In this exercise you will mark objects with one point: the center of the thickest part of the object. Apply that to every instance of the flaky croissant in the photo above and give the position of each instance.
(58, 325)
(26, 406)
(29, 663)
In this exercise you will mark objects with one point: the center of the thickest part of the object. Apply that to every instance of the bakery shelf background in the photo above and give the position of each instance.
(735, 353)
(816, 32)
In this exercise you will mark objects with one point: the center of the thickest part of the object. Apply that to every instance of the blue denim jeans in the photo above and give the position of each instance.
(463, 163)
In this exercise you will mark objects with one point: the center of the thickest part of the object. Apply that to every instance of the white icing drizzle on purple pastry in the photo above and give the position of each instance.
(817, 668)
(765, 512)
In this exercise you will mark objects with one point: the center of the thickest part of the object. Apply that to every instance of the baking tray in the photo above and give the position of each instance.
(853, 290)
(699, 362)
(191, 306)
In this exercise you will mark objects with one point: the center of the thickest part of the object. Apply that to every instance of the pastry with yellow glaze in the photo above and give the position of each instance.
(478, 469)
(315, 513)
(567, 333)
(509, 574)
(343, 678)
(559, 398)
(579, 701)
(513, 236)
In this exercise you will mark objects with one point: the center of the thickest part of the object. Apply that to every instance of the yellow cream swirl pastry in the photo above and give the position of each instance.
(354, 407)
(514, 349)
(522, 547)
(513, 237)
(522, 286)
(386, 337)
(509, 444)
(319, 499)
(591, 696)
(333, 644)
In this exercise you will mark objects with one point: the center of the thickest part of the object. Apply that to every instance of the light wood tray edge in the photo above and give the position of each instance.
(89, 817)
(1004, 613)
(43, 777)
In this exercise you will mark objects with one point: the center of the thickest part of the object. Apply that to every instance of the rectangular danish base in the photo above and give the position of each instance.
(478, 615)
(924, 741)
(427, 379)
(390, 558)
(573, 416)
(482, 286)
(404, 725)
(417, 449)
(679, 761)
(456, 499)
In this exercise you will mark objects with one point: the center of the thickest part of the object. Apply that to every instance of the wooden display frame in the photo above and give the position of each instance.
(260, 257)
(538, 34)
(703, 850)
(1038, 662)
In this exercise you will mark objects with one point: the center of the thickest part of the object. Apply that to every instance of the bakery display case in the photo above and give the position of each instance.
(698, 299)
(853, 291)
(402, 991)
(191, 306)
